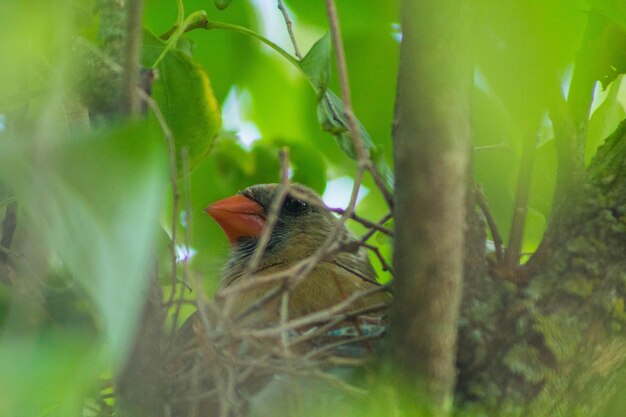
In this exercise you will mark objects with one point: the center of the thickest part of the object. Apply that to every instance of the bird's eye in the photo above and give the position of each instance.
(294, 206)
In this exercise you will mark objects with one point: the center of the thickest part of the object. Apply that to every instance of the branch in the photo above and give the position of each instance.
(130, 99)
(289, 24)
(481, 200)
(520, 208)
(9, 223)
(431, 149)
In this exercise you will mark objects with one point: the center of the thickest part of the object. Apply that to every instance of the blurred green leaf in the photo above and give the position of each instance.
(523, 51)
(309, 167)
(605, 41)
(534, 227)
(222, 4)
(604, 120)
(307, 164)
(39, 376)
(316, 63)
(95, 202)
(542, 182)
(34, 40)
(265, 162)
(355, 16)
(184, 94)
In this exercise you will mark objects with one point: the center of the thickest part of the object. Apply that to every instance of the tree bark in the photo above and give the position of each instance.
(431, 150)
(556, 343)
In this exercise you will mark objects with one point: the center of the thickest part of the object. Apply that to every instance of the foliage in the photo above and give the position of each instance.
(90, 201)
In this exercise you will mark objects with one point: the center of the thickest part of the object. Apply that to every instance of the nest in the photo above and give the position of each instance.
(225, 366)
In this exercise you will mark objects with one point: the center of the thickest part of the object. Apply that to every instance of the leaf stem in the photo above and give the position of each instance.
(199, 20)
(173, 35)
(241, 29)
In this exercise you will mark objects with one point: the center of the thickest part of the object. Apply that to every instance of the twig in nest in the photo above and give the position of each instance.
(357, 273)
(316, 317)
(348, 341)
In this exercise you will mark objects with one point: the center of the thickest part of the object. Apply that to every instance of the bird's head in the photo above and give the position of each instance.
(302, 225)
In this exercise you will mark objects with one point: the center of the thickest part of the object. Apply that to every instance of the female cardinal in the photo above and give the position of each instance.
(301, 228)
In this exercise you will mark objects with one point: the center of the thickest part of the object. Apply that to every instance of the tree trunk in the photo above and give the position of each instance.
(431, 151)
(554, 343)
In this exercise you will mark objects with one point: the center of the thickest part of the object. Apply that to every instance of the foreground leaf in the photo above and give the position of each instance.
(184, 94)
(94, 202)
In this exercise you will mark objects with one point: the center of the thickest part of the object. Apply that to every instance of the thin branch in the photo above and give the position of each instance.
(357, 273)
(289, 24)
(373, 230)
(187, 237)
(367, 223)
(9, 223)
(274, 211)
(520, 209)
(173, 171)
(381, 184)
(363, 156)
(130, 99)
(481, 200)
(342, 70)
(383, 262)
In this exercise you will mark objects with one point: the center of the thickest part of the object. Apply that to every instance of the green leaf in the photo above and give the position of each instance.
(316, 64)
(604, 120)
(607, 41)
(184, 94)
(265, 162)
(330, 110)
(542, 184)
(307, 164)
(309, 167)
(48, 375)
(94, 202)
(222, 4)
(331, 115)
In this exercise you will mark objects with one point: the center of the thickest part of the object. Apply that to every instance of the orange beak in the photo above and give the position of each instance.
(238, 216)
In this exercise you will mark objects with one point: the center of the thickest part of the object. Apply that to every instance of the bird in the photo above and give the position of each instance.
(302, 225)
